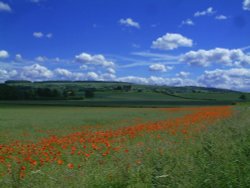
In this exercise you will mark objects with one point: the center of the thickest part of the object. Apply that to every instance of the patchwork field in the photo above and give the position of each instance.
(43, 146)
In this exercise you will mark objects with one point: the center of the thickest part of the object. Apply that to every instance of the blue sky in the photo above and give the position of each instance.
(173, 42)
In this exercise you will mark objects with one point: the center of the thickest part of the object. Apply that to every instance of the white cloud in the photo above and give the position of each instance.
(133, 79)
(49, 35)
(171, 41)
(208, 11)
(36, 72)
(111, 71)
(108, 76)
(38, 34)
(94, 60)
(92, 76)
(4, 7)
(41, 35)
(63, 73)
(246, 4)
(129, 22)
(40, 58)
(234, 57)
(183, 74)
(187, 22)
(19, 57)
(154, 80)
(6, 75)
(221, 17)
(68, 75)
(159, 67)
(235, 78)
(4, 54)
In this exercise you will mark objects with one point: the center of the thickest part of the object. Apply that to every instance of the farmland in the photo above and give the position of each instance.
(67, 146)
(114, 94)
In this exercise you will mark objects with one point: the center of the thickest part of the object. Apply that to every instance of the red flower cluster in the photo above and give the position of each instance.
(90, 142)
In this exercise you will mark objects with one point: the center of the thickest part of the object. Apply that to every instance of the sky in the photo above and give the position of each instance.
(160, 42)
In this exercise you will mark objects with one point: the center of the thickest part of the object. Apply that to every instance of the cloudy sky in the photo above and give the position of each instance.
(173, 42)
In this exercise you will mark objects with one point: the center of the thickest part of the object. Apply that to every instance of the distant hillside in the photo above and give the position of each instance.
(96, 93)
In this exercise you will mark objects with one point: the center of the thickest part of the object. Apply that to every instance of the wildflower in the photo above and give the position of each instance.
(23, 168)
(59, 162)
(70, 165)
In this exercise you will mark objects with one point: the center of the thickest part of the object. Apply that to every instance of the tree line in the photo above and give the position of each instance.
(10, 92)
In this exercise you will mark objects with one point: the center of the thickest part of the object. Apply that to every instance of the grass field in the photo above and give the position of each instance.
(49, 146)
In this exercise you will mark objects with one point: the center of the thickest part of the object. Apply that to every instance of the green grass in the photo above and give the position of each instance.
(217, 157)
(216, 96)
(135, 96)
(16, 120)
(118, 103)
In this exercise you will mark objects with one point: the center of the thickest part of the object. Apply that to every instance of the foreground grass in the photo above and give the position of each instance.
(216, 157)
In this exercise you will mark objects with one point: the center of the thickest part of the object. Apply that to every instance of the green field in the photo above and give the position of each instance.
(114, 94)
(15, 120)
(215, 156)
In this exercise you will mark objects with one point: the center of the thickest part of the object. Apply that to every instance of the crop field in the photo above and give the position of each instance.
(48, 146)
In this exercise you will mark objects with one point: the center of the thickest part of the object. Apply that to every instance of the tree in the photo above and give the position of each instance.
(243, 97)
(89, 94)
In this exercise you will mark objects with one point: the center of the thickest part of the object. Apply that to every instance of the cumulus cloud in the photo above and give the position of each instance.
(183, 74)
(111, 71)
(221, 17)
(98, 59)
(235, 78)
(4, 7)
(36, 72)
(133, 79)
(108, 77)
(233, 57)
(92, 76)
(171, 41)
(19, 57)
(129, 22)
(246, 4)
(187, 22)
(41, 35)
(40, 58)
(63, 73)
(159, 67)
(4, 54)
(6, 75)
(38, 34)
(208, 11)
(154, 80)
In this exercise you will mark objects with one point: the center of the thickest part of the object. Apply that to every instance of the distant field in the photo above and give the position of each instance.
(114, 94)
(118, 103)
(52, 146)
(216, 96)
